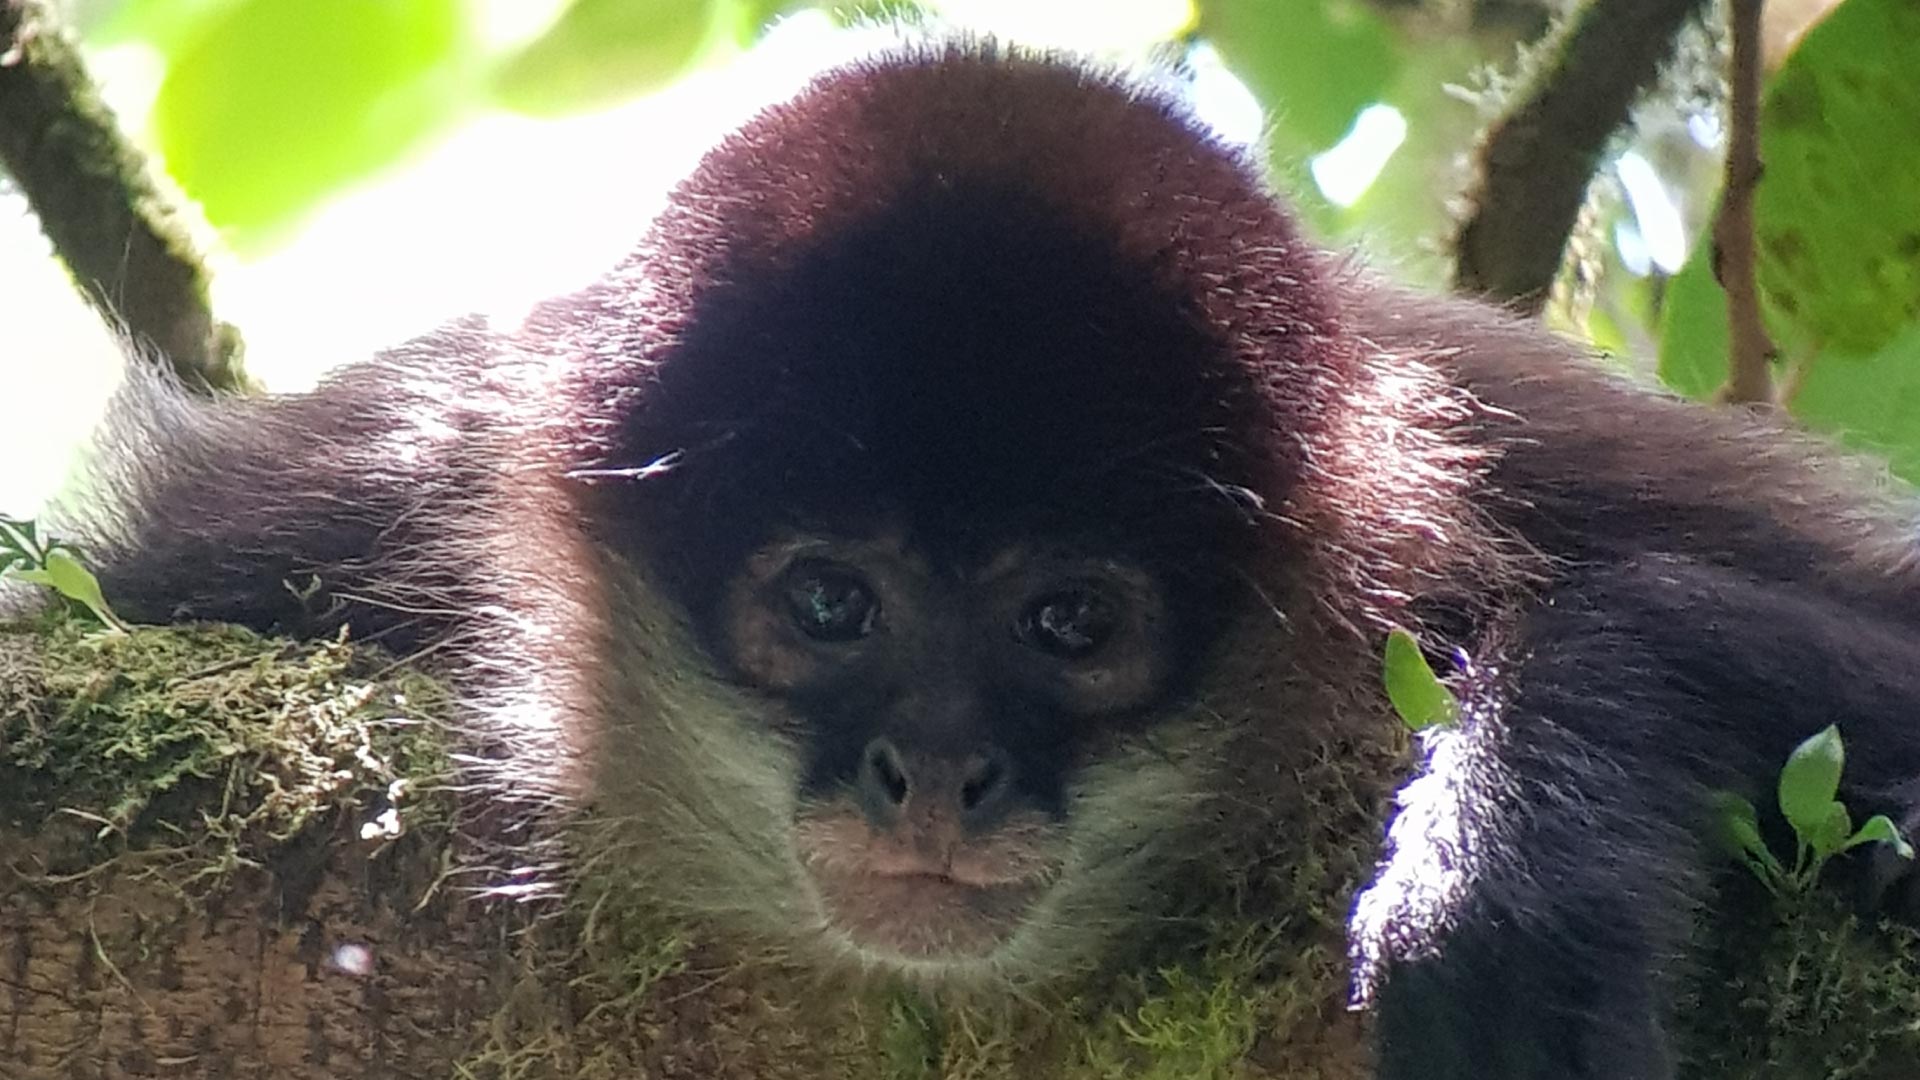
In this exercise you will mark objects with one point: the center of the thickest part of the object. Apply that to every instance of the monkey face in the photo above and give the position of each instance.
(927, 489)
(944, 705)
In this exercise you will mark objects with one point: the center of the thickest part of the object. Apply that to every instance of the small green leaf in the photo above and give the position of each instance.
(1809, 782)
(1738, 833)
(1418, 695)
(64, 574)
(1831, 838)
(73, 581)
(1879, 828)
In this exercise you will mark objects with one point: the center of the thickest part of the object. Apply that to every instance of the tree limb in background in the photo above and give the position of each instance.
(1536, 161)
(1750, 350)
(108, 220)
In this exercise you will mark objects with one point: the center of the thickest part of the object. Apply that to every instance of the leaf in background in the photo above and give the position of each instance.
(1693, 329)
(1419, 696)
(278, 102)
(1809, 781)
(1872, 402)
(600, 52)
(1838, 211)
(1838, 217)
(161, 24)
(1313, 64)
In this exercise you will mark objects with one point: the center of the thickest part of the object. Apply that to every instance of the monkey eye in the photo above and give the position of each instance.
(830, 604)
(1070, 623)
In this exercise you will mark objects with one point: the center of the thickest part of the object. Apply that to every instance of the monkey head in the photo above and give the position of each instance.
(947, 421)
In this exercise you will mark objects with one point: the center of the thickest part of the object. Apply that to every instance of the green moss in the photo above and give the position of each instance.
(210, 743)
(1217, 994)
(218, 749)
(1805, 989)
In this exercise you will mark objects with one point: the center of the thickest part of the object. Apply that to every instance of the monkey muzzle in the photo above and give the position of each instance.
(912, 864)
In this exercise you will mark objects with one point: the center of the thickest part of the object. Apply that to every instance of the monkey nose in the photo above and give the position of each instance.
(895, 786)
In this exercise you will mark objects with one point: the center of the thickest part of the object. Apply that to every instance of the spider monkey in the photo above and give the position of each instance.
(973, 512)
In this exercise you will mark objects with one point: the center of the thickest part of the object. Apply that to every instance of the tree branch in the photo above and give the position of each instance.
(108, 220)
(1536, 161)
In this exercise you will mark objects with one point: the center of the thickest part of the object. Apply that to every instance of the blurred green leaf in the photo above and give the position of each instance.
(1838, 218)
(1838, 211)
(165, 25)
(1314, 63)
(600, 52)
(1693, 329)
(1418, 695)
(1873, 402)
(279, 102)
(1738, 832)
(1870, 401)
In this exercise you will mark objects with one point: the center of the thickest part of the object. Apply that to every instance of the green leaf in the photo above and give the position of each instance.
(1737, 824)
(73, 581)
(1693, 329)
(1837, 218)
(1736, 831)
(1879, 829)
(1837, 214)
(276, 103)
(1809, 782)
(1419, 696)
(600, 52)
(1313, 65)
(64, 574)
(1316, 63)
(1831, 837)
(19, 544)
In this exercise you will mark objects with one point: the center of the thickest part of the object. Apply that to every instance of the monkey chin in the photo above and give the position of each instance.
(921, 899)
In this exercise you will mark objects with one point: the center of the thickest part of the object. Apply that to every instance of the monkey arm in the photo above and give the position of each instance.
(1567, 823)
(294, 513)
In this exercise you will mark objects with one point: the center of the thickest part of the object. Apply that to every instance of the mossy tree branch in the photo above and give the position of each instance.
(1535, 162)
(120, 236)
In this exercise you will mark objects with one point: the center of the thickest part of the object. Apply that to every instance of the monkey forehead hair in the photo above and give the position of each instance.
(977, 286)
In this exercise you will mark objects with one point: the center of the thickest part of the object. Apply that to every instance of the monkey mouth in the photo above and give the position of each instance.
(902, 896)
(918, 915)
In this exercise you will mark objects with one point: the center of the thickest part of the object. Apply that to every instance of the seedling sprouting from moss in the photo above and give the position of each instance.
(1822, 827)
(1418, 695)
(25, 556)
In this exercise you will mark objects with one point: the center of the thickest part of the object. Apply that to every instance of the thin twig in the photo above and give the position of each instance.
(1735, 262)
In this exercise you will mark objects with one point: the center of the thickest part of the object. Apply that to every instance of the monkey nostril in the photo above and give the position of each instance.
(882, 772)
(987, 778)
